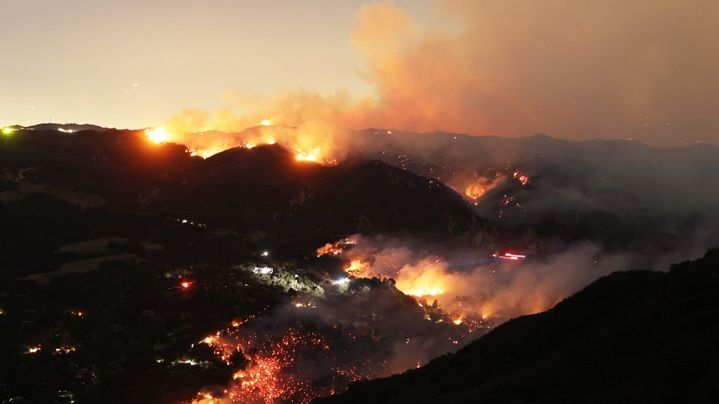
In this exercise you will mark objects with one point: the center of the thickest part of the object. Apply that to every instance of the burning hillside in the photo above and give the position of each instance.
(394, 306)
(316, 344)
(469, 283)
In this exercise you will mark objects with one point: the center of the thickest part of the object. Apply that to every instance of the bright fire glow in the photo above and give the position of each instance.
(475, 188)
(357, 268)
(312, 156)
(474, 191)
(157, 135)
(266, 122)
(8, 130)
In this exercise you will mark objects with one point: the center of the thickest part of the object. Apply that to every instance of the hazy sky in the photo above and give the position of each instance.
(643, 69)
(133, 63)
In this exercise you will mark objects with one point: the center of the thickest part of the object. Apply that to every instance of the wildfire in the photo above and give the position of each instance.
(157, 135)
(336, 248)
(474, 191)
(429, 277)
(476, 188)
(420, 291)
(357, 268)
(313, 156)
(269, 375)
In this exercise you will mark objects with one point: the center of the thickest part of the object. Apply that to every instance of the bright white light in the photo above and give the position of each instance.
(157, 135)
(263, 270)
(341, 281)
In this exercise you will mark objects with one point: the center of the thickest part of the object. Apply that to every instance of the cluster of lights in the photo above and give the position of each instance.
(64, 350)
(34, 349)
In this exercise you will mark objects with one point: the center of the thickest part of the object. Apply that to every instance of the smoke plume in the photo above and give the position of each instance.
(637, 69)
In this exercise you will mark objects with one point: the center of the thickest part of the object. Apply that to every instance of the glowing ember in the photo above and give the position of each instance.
(157, 135)
(269, 375)
(521, 177)
(185, 285)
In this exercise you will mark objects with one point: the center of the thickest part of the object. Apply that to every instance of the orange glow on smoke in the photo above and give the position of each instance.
(474, 191)
(357, 268)
(427, 278)
(313, 156)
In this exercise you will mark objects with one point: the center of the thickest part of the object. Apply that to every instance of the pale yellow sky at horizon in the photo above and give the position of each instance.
(637, 69)
(136, 63)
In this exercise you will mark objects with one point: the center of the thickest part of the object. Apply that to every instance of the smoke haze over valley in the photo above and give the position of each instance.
(411, 201)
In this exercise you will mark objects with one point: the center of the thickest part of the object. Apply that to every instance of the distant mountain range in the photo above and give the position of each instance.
(623, 194)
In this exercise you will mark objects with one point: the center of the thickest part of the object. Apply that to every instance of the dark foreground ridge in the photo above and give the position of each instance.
(634, 336)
